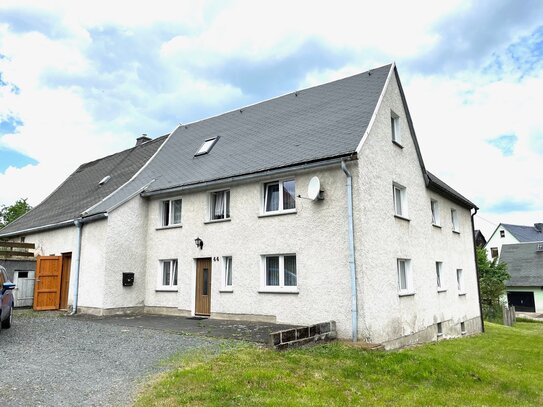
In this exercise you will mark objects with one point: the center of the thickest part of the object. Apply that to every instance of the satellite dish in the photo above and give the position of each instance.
(314, 189)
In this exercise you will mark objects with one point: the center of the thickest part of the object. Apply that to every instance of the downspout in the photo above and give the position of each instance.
(352, 264)
(477, 270)
(75, 287)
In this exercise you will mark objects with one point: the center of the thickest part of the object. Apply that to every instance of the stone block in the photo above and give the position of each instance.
(288, 336)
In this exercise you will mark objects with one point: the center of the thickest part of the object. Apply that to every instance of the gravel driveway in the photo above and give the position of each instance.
(61, 361)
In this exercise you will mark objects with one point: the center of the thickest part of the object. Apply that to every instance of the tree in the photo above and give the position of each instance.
(492, 277)
(9, 213)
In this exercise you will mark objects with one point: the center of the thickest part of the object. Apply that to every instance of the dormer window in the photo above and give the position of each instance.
(207, 146)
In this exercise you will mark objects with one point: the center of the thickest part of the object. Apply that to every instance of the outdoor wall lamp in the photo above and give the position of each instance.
(199, 243)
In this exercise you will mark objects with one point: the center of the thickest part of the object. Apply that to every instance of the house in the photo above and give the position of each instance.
(312, 206)
(525, 265)
(480, 240)
(51, 226)
(511, 234)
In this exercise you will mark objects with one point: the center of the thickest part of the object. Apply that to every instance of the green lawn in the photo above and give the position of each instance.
(502, 367)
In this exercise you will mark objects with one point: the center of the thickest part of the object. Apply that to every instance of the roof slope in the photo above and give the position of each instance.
(434, 183)
(309, 125)
(524, 233)
(524, 264)
(81, 190)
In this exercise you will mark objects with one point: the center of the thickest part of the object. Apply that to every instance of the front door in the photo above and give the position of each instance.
(47, 284)
(203, 287)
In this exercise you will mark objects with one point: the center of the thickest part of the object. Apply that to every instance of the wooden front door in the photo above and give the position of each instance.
(65, 280)
(47, 284)
(203, 287)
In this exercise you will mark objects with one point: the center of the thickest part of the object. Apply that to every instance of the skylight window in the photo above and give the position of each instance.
(207, 146)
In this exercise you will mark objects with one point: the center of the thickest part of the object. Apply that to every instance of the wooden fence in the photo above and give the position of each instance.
(509, 316)
(9, 250)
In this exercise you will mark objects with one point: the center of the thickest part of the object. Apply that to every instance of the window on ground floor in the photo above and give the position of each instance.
(405, 277)
(227, 272)
(167, 275)
(279, 272)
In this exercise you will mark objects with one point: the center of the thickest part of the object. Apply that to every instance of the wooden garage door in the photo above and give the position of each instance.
(47, 284)
(522, 300)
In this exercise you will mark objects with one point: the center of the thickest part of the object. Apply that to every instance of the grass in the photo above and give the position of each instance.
(501, 367)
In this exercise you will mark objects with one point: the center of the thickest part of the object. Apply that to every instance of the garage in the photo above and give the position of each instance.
(522, 300)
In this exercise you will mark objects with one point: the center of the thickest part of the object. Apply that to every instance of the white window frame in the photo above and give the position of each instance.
(502, 233)
(460, 282)
(454, 221)
(492, 250)
(226, 208)
(227, 286)
(440, 282)
(434, 206)
(400, 190)
(160, 275)
(281, 203)
(281, 288)
(170, 213)
(408, 290)
(395, 129)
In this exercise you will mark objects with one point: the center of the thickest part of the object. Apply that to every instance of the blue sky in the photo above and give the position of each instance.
(80, 80)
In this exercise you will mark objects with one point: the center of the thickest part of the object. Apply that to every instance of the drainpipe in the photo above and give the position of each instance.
(79, 225)
(352, 264)
(477, 269)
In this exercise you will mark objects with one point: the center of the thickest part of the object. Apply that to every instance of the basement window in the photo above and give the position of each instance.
(207, 146)
(439, 330)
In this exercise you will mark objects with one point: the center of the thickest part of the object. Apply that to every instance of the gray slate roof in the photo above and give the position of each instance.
(524, 233)
(309, 125)
(81, 190)
(524, 264)
(439, 186)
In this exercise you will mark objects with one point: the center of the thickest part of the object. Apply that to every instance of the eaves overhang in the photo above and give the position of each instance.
(255, 175)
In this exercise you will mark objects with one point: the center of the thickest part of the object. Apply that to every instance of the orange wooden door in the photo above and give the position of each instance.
(203, 287)
(47, 284)
(65, 280)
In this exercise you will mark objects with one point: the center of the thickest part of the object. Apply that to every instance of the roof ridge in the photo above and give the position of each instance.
(294, 92)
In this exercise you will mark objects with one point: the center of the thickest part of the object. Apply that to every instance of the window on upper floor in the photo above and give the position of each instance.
(279, 272)
(502, 233)
(280, 196)
(171, 212)
(219, 205)
(399, 194)
(494, 252)
(435, 212)
(167, 276)
(405, 276)
(395, 128)
(454, 221)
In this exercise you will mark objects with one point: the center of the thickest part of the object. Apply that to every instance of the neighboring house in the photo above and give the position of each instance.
(510, 234)
(525, 265)
(228, 220)
(480, 240)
